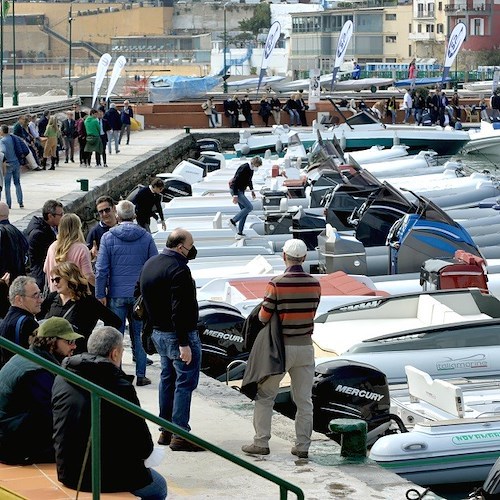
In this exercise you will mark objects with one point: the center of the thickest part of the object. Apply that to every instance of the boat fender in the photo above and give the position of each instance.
(279, 146)
(245, 150)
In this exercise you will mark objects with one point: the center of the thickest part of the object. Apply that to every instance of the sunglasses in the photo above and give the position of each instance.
(104, 211)
(57, 279)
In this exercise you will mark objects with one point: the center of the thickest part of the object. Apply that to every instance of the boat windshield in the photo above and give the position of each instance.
(362, 118)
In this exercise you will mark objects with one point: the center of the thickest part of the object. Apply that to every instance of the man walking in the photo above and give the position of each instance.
(169, 294)
(13, 169)
(126, 115)
(115, 123)
(147, 203)
(69, 133)
(294, 296)
(13, 246)
(124, 250)
(106, 209)
(41, 233)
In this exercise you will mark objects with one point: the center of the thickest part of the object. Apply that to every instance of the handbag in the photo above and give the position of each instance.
(138, 310)
(241, 117)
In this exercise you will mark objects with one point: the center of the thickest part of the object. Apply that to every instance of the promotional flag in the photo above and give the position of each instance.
(117, 69)
(102, 67)
(314, 88)
(457, 37)
(271, 40)
(344, 39)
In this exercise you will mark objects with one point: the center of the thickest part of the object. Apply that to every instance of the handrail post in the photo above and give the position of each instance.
(95, 429)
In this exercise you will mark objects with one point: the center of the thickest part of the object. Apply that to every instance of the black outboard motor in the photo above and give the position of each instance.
(220, 326)
(491, 485)
(349, 389)
(307, 227)
(175, 188)
(211, 162)
(208, 145)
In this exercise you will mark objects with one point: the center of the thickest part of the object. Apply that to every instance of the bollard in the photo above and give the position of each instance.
(84, 184)
(187, 129)
(353, 436)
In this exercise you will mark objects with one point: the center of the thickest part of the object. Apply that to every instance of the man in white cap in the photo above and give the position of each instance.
(294, 296)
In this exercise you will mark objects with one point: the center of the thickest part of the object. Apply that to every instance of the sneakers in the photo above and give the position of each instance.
(253, 449)
(165, 438)
(179, 444)
(142, 381)
(239, 236)
(105, 166)
(300, 454)
(232, 224)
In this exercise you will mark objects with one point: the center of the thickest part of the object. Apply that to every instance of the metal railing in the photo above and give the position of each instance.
(97, 393)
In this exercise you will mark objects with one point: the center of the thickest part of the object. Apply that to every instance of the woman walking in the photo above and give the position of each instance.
(52, 137)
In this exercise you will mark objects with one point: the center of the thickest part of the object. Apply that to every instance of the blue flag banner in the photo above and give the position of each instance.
(457, 37)
(344, 39)
(271, 40)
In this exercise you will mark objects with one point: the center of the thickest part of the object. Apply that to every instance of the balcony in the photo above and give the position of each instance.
(425, 15)
(422, 37)
(467, 9)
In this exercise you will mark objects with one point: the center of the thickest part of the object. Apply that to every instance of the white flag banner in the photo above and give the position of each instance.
(271, 41)
(314, 88)
(496, 79)
(117, 69)
(457, 37)
(102, 67)
(344, 39)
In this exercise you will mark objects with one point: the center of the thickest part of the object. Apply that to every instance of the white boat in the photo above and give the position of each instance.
(455, 436)
(485, 141)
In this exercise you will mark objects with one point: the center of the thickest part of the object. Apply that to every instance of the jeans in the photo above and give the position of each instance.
(113, 135)
(13, 173)
(155, 490)
(294, 117)
(122, 307)
(418, 115)
(246, 207)
(69, 146)
(407, 115)
(178, 380)
(125, 128)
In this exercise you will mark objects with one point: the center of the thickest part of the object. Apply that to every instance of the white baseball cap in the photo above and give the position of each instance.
(295, 248)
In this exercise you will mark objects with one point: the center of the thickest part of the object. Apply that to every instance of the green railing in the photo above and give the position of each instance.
(97, 393)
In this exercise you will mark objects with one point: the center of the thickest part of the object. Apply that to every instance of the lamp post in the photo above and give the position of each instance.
(15, 93)
(70, 20)
(224, 76)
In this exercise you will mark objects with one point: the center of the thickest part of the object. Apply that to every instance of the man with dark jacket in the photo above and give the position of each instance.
(239, 183)
(115, 125)
(126, 116)
(123, 251)
(147, 203)
(44, 121)
(69, 133)
(125, 438)
(169, 294)
(25, 396)
(13, 246)
(294, 296)
(41, 233)
(20, 323)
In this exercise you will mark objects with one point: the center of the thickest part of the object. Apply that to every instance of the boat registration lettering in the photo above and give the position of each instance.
(475, 437)
(361, 393)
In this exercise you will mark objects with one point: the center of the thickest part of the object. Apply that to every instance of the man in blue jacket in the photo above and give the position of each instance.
(123, 251)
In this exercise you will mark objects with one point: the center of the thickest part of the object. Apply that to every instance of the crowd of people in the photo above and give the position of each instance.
(39, 142)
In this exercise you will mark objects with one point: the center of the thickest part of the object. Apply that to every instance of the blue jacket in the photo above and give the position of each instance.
(123, 251)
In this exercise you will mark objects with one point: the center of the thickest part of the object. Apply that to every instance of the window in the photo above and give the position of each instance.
(419, 28)
(390, 17)
(477, 27)
(409, 51)
(440, 6)
(429, 28)
(390, 39)
(440, 28)
(409, 28)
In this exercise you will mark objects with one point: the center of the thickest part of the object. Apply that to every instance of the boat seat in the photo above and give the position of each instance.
(432, 312)
(295, 182)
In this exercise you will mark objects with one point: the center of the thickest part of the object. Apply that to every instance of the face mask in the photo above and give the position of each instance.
(192, 253)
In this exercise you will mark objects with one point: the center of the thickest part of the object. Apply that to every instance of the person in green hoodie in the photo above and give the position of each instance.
(94, 143)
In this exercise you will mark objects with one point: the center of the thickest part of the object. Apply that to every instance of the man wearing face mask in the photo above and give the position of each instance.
(169, 295)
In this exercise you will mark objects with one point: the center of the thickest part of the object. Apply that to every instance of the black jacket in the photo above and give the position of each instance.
(125, 438)
(242, 178)
(169, 294)
(40, 236)
(13, 251)
(145, 201)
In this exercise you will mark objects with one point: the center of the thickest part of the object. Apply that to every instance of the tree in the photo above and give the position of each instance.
(261, 19)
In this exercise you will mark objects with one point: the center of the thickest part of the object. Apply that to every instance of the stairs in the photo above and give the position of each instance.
(84, 45)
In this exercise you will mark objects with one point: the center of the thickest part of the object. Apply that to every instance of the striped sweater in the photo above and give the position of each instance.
(295, 295)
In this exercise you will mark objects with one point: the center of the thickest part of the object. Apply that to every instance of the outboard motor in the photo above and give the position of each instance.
(491, 486)
(208, 145)
(219, 326)
(175, 188)
(211, 162)
(349, 389)
(307, 227)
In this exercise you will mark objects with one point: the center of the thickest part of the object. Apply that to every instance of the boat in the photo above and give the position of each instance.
(363, 130)
(174, 88)
(422, 82)
(455, 434)
(485, 141)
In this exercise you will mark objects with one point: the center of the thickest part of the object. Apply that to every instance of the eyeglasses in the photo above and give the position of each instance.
(104, 211)
(58, 215)
(69, 342)
(56, 279)
(35, 296)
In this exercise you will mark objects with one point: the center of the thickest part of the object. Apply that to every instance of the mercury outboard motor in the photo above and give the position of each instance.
(208, 145)
(220, 326)
(349, 389)
(175, 188)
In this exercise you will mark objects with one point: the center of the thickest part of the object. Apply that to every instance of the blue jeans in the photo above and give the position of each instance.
(178, 380)
(113, 136)
(122, 307)
(294, 117)
(13, 173)
(246, 207)
(156, 490)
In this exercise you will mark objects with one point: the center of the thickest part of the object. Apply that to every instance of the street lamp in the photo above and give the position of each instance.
(70, 20)
(15, 93)
(224, 76)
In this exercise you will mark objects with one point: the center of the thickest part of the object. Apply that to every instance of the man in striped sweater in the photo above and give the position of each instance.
(295, 296)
